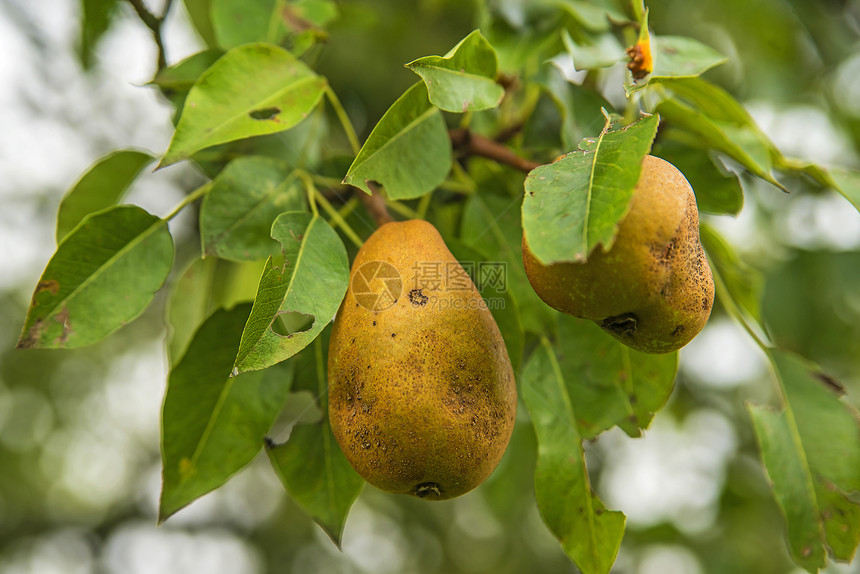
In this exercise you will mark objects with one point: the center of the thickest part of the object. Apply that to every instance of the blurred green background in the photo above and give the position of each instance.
(79, 451)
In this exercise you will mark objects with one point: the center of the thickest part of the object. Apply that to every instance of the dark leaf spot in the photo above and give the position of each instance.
(50, 285)
(830, 383)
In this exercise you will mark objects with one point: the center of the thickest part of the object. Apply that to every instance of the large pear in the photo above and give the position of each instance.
(653, 289)
(422, 398)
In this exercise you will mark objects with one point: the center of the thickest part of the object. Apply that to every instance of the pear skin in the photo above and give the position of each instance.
(422, 398)
(653, 289)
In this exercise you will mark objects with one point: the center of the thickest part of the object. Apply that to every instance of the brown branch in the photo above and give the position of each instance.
(509, 132)
(475, 144)
(375, 205)
(154, 23)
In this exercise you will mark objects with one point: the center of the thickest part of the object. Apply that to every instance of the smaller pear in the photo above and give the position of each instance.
(422, 397)
(652, 289)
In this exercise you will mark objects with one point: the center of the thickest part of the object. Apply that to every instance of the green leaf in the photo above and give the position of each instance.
(238, 22)
(102, 186)
(575, 203)
(581, 109)
(681, 57)
(792, 486)
(743, 143)
(188, 306)
(206, 285)
(594, 15)
(102, 276)
(491, 224)
(237, 215)
(408, 152)
(183, 75)
(96, 19)
(609, 383)
(716, 191)
(589, 534)
(310, 464)
(252, 90)
(464, 80)
(719, 111)
(712, 100)
(847, 182)
(308, 286)
(301, 13)
(199, 14)
(601, 52)
(213, 424)
(744, 283)
(811, 451)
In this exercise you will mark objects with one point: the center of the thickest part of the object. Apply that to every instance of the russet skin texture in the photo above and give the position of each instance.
(422, 398)
(653, 289)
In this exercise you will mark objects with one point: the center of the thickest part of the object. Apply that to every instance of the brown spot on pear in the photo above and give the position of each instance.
(430, 411)
(653, 289)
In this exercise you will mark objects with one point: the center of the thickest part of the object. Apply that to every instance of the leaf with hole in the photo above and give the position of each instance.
(252, 90)
(297, 296)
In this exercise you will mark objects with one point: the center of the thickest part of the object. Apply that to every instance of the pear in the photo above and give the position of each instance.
(422, 398)
(653, 288)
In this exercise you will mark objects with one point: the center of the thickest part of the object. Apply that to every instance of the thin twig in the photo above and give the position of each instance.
(375, 205)
(338, 220)
(154, 23)
(476, 144)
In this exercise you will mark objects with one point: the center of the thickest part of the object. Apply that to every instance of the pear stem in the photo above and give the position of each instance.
(404, 210)
(375, 205)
